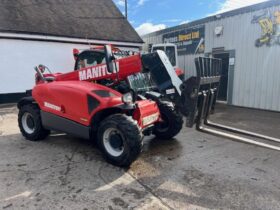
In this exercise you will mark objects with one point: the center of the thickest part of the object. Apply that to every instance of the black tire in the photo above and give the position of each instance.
(172, 122)
(33, 130)
(124, 144)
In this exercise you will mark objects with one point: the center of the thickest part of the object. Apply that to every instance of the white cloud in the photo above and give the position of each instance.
(141, 2)
(235, 4)
(120, 2)
(146, 28)
(171, 20)
(184, 22)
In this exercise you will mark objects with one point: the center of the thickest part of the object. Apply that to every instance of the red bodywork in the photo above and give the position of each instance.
(67, 95)
(179, 72)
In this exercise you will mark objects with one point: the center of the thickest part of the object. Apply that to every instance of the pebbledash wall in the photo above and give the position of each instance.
(250, 36)
(19, 57)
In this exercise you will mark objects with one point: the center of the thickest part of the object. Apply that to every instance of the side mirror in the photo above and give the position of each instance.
(43, 68)
(111, 67)
(75, 53)
(40, 74)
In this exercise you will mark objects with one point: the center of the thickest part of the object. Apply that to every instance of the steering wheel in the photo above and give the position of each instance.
(40, 69)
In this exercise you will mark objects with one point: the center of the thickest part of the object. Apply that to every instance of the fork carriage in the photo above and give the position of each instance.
(202, 103)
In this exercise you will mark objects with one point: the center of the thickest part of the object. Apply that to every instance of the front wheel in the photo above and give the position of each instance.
(120, 139)
(171, 123)
(29, 121)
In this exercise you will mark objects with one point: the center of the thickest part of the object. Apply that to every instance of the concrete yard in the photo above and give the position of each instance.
(193, 171)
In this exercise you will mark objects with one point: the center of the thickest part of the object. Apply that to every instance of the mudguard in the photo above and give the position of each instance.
(25, 100)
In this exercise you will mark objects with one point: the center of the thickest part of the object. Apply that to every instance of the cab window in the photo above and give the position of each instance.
(89, 58)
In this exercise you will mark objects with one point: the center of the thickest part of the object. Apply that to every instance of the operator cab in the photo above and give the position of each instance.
(102, 55)
(89, 58)
(93, 57)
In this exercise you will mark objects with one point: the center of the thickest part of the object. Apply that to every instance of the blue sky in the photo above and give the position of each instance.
(151, 15)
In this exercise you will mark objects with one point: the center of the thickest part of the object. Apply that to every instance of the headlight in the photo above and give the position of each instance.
(127, 98)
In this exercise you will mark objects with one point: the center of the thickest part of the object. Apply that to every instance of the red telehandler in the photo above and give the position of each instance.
(96, 102)
(116, 98)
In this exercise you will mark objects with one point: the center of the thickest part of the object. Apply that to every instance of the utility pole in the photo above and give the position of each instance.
(125, 1)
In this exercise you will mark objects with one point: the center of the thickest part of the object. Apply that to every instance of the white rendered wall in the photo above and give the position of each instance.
(18, 58)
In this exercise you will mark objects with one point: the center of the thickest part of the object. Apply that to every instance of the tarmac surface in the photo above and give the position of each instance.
(193, 171)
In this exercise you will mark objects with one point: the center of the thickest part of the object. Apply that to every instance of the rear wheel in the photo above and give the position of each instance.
(29, 121)
(120, 139)
(171, 124)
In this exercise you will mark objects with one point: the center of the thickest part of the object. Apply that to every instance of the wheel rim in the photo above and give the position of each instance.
(28, 123)
(113, 142)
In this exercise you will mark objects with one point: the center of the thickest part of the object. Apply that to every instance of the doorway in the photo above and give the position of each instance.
(223, 90)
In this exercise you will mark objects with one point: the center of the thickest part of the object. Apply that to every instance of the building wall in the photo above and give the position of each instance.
(256, 73)
(19, 57)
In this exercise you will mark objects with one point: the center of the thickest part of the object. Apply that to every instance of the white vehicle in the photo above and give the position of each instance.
(170, 50)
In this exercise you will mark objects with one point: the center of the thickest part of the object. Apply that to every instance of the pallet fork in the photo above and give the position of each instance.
(207, 86)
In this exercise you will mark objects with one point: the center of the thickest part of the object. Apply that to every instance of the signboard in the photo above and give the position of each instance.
(188, 41)
(269, 23)
(231, 61)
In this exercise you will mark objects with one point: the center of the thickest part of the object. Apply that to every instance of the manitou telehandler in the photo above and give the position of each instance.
(116, 98)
